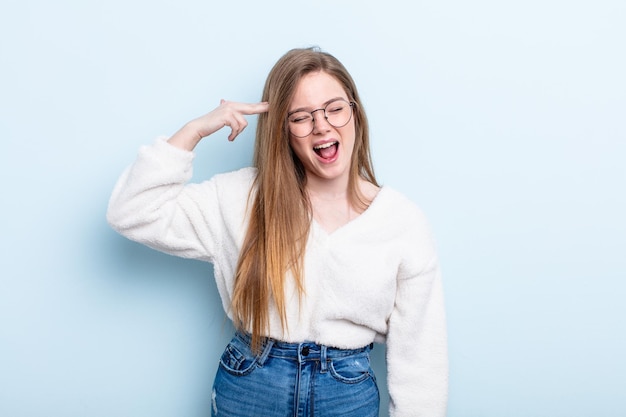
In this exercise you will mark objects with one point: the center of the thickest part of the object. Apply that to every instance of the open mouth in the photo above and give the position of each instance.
(327, 150)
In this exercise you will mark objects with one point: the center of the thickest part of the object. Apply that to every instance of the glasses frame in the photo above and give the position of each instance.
(350, 103)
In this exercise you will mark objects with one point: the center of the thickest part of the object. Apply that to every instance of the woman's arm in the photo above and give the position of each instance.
(417, 357)
(153, 204)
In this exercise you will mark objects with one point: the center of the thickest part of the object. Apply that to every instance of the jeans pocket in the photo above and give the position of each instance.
(238, 359)
(351, 369)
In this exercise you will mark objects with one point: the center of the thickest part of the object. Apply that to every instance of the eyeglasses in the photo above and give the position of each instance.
(337, 113)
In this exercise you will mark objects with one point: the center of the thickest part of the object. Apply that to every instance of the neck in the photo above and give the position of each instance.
(327, 189)
(330, 203)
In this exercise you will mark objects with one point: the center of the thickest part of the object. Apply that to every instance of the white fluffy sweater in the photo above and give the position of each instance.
(374, 279)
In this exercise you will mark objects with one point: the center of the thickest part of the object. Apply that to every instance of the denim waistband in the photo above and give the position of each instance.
(301, 352)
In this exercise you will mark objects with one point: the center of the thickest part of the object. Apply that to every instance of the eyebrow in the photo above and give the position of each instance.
(323, 105)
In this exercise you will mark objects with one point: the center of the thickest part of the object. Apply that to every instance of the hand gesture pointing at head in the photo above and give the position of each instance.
(228, 113)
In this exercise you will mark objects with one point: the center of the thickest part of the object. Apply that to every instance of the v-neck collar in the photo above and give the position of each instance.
(347, 226)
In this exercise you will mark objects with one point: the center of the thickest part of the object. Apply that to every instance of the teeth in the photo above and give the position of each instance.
(324, 146)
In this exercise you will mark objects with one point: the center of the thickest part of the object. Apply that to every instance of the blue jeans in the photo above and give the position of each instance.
(293, 380)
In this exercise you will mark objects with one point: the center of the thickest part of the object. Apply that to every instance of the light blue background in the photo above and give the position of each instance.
(504, 120)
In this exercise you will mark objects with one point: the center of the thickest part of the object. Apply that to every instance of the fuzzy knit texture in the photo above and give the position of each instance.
(376, 279)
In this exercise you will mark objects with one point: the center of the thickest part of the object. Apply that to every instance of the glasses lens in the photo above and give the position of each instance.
(301, 123)
(337, 113)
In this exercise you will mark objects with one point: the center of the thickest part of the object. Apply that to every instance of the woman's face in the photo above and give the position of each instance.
(326, 152)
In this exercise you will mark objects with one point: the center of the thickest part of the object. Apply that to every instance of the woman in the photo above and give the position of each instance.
(313, 260)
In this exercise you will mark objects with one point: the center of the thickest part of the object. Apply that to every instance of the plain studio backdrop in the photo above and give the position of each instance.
(503, 120)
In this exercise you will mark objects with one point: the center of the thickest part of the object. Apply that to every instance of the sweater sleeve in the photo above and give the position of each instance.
(417, 360)
(152, 204)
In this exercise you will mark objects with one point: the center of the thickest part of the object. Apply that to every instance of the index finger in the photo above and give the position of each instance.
(253, 108)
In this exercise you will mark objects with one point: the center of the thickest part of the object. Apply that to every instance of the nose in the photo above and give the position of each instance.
(320, 124)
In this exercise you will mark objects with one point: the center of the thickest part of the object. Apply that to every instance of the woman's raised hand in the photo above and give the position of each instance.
(228, 113)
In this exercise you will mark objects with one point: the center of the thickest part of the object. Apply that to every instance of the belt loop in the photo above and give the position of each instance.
(266, 351)
(323, 359)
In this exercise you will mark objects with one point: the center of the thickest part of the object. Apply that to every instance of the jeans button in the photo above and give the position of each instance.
(305, 351)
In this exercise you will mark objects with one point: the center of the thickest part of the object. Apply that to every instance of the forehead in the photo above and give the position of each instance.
(316, 88)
